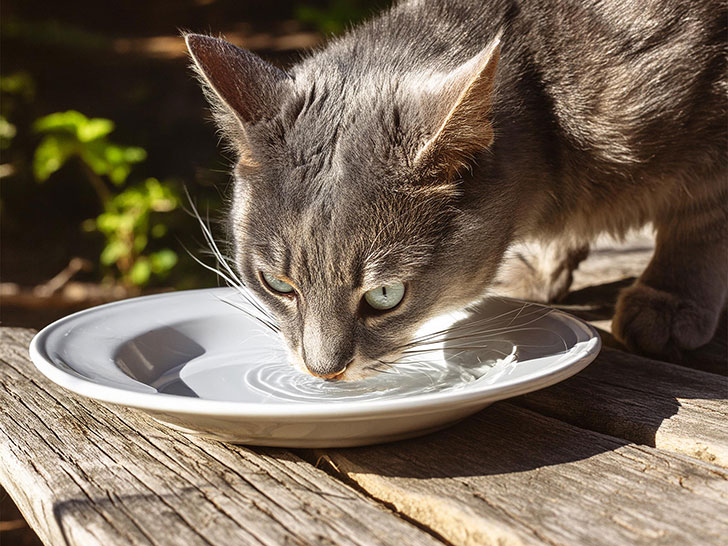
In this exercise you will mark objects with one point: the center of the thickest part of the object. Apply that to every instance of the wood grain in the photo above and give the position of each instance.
(511, 476)
(85, 474)
(645, 401)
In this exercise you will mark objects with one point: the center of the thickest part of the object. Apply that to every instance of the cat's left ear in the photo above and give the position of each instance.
(464, 128)
(242, 87)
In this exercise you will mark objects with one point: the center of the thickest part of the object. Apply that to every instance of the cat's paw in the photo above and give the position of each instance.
(661, 324)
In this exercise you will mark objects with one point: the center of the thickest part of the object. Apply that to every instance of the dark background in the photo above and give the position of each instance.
(123, 61)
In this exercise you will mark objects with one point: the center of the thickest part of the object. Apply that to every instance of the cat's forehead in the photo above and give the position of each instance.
(345, 120)
(338, 197)
(350, 240)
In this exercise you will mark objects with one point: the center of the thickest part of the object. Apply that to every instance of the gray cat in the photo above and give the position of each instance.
(380, 181)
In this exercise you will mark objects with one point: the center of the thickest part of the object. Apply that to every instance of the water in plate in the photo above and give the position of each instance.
(267, 377)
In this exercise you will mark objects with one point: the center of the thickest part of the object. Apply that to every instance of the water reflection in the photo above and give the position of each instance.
(453, 352)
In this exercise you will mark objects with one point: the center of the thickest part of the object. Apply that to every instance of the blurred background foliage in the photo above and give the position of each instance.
(102, 128)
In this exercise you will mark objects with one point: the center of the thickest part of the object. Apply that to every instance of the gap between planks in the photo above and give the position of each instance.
(512, 476)
(644, 401)
(84, 474)
(504, 523)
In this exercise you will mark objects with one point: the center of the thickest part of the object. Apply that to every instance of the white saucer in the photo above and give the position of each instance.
(199, 365)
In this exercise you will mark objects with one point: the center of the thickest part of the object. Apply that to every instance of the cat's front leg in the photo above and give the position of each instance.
(676, 304)
(540, 271)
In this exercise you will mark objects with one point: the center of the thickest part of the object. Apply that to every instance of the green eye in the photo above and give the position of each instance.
(385, 297)
(276, 284)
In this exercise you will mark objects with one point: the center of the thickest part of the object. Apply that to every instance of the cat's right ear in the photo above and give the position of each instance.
(239, 84)
(464, 99)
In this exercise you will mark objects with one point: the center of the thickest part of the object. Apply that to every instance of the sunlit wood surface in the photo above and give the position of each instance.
(629, 451)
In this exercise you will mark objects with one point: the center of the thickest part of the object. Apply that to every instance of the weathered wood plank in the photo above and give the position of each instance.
(511, 476)
(611, 260)
(645, 401)
(84, 474)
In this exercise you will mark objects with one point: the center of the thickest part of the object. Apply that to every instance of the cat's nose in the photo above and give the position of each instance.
(328, 370)
(328, 346)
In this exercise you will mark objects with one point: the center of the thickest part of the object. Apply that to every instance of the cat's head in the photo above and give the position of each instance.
(355, 215)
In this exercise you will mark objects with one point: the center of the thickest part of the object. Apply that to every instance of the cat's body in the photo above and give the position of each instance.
(415, 150)
(606, 113)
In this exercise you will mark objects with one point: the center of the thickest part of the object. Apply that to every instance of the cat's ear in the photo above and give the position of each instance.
(237, 81)
(464, 100)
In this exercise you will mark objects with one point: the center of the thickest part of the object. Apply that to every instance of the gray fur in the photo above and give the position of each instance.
(603, 115)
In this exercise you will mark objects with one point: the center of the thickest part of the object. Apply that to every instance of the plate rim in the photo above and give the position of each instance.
(185, 405)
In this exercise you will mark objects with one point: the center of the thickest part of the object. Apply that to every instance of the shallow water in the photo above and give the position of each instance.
(266, 377)
(446, 355)
(283, 383)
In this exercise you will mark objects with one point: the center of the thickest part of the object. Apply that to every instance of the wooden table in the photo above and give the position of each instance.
(629, 451)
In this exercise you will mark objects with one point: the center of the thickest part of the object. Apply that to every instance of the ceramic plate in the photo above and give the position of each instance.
(195, 362)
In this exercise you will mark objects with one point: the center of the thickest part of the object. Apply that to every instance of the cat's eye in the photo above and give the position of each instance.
(277, 285)
(385, 297)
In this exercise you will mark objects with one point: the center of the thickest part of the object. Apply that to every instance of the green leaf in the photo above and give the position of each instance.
(163, 260)
(161, 195)
(113, 154)
(51, 154)
(131, 198)
(140, 242)
(107, 222)
(126, 223)
(94, 129)
(119, 174)
(89, 137)
(73, 122)
(7, 129)
(7, 132)
(140, 272)
(89, 225)
(114, 250)
(93, 155)
(18, 83)
(134, 154)
(158, 230)
(68, 121)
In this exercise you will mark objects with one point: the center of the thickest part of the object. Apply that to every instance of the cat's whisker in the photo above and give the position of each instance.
(383, 366)
(476, 331)
(375, 368)
(264, 322)
(229, 275)
(445, 349)
(221, 274)
(429, 337)
(518, 314)
(207, 234)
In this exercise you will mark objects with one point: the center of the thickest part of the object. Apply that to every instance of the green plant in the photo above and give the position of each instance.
(71, 134)
(127, 223)
(7, 132)
(15, 88)
(129, 218)
(334, 18)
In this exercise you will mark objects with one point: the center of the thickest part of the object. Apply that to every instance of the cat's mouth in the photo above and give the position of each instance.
(334, 375)
(357, 368)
